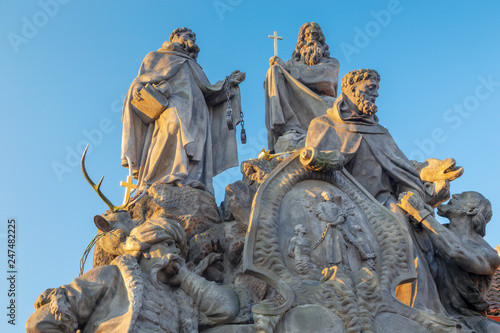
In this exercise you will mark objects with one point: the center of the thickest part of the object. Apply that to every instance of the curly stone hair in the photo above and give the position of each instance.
(178, 31)
(359, 75)
(484, 212)
(301, 40)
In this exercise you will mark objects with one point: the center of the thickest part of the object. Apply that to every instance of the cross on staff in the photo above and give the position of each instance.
(275, 37)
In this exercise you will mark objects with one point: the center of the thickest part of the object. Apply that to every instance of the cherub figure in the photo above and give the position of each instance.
(300, 249)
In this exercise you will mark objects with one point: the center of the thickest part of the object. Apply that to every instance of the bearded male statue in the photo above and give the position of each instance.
(300, 89)
(174, 127)
(373, 158)
(149, 289)
(462, 262)
(371, 154)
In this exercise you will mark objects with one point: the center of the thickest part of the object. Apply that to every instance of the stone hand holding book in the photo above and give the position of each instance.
(151, 101)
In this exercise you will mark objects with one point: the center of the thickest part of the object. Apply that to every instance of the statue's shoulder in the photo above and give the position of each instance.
(332, 61)
(326, 119)
(102, 273)
(154, 55)
(292, 62)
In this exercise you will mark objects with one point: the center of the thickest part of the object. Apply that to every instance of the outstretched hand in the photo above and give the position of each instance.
(236, 78)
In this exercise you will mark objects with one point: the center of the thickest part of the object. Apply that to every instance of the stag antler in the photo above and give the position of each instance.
(97, 187)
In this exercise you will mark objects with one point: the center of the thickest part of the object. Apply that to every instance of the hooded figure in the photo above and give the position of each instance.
(371, 154)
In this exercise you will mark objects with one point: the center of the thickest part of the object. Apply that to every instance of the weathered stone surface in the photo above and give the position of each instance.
(341, 237)
(289, 142)
(310, 318)
(464, 263)
(393, 323)
(202, 244)
(194, 209)
(300, 89)
(116, 228)
(493, 296)
(258, 289)
(256, 170)
(235, 238)
(186, 138)
(231, 329)
(371, 154)
(436, 176)
(147, 289)
(360, 263)
(238, 202)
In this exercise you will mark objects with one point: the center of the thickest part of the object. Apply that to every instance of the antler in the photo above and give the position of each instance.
(97, 187)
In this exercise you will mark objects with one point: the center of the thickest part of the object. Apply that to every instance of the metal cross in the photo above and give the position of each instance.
(128, 187)
(275, 37)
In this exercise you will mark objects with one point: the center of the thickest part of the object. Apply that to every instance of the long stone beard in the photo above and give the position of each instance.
(191, 48)
(311, 53)
(365, 104)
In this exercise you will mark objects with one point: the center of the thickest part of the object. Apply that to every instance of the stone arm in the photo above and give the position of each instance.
(220, 96)
(477, 259)
(323, 137)
(218, 303)
(68, 308)
(321, 78)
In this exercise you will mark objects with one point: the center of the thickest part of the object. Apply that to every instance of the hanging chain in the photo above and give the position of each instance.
(343, 214)
(229, 115)
(315, 245)
(229, 111)
(243, 133)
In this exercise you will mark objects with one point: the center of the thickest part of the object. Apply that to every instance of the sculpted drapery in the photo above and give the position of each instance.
(301, 89)
(189, 142)
(371, 154)
(296, 94)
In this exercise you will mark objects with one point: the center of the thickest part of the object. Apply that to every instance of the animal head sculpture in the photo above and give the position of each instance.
(112, 230)
(436, 176)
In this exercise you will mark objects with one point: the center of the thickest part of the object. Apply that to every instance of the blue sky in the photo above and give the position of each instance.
(66, 65)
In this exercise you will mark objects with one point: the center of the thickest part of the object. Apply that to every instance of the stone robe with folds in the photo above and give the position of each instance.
(189, 142)
(374, 159)
(298, 93)
(370, 153)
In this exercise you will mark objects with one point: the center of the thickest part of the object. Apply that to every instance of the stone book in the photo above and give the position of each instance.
(151, 105)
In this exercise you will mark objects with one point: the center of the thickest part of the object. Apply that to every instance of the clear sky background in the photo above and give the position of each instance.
(65, 69)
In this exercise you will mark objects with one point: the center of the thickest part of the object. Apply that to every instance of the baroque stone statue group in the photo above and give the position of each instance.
(332, 229)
